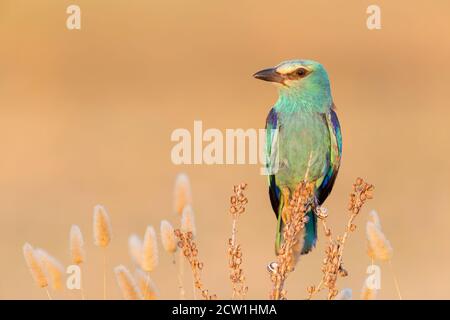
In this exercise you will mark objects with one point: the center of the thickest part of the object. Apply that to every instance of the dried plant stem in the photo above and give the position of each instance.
(83, 297)
(104, 273)
(194, 290)
(147, 282)
(233, 245)
(179, 275)
(127, 284)
(332, 266)
(294, 218)
(397, 287)
(48, 293)
(295, 222)
(238, 202)
(190, 252)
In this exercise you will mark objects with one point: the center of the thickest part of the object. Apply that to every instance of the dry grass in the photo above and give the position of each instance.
(127, 284)
(35, 266)
(144, 254)
(102, 227)
(168, 239)
(332, 267)
(102, 236)
(146, 285)
(150, 257)
(182, 193)
(135, 249)
(76, 245)
(53, 268)
(188, 220)
(294, 219)
(189, 248)
(238, 201)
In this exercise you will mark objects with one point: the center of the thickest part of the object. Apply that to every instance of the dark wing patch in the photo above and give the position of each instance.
(274, 191)
(335, 157)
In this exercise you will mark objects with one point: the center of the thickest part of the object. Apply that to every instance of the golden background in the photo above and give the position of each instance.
(86, 118)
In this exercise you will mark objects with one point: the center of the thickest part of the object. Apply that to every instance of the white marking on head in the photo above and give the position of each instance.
(288, 67)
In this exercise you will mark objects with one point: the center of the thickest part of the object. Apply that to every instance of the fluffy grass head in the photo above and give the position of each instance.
(127, 284)
(54, 269)
(168, 238)
(35, 266)
(77, 251)
(182, 193)
(150, 256)
(102, 227)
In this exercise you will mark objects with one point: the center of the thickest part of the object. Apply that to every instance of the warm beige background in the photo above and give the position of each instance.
(86, 118)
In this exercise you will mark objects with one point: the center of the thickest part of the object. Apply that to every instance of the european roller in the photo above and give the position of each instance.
(308, 143)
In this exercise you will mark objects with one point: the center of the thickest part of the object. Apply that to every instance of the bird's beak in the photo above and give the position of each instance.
(270, 74)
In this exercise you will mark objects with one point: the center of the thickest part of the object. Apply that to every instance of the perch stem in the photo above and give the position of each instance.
(48, 293)
(397, 287)
(104, 273)
(179, 277)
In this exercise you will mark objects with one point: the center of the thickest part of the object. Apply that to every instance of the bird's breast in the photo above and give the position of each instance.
(303, 148)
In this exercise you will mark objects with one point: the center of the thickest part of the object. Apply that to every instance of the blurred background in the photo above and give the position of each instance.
(86, 118)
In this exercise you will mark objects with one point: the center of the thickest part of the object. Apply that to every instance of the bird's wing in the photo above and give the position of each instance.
(335, 156)
(271, 134)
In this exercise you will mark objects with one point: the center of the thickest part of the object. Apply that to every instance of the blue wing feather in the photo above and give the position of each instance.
(274, 190)
(335, 158)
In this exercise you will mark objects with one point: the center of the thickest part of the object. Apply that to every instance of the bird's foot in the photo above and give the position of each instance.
(321, 212)
(272, 267)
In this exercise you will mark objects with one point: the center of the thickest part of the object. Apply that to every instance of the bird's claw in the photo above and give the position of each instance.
(321, 212)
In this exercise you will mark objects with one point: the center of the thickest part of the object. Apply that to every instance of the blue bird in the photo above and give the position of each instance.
(306, 128)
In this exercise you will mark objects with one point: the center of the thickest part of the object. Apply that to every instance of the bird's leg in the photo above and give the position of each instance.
(320, 211)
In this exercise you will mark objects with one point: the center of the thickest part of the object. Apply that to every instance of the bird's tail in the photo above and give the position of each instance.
(308, 237)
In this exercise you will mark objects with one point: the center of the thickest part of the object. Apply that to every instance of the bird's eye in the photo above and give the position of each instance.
(301, 72)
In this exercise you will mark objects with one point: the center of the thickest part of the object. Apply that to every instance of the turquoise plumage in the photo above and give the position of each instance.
(303, 135)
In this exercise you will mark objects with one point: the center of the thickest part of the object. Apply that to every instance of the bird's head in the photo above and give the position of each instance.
(299, 80)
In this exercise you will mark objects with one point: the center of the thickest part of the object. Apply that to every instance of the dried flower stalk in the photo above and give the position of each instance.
(238, 202)
(146, 285)
(182, 193)
(188, 220)
(190, 252)
(295, 220)
(102, 227)
(54, 269)
(378, 246)
(77, 245)
(368, 293)
(35, 266)
(135, 249)
(168, 239)
(127, 284)
(332, 266)
(150, 256)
